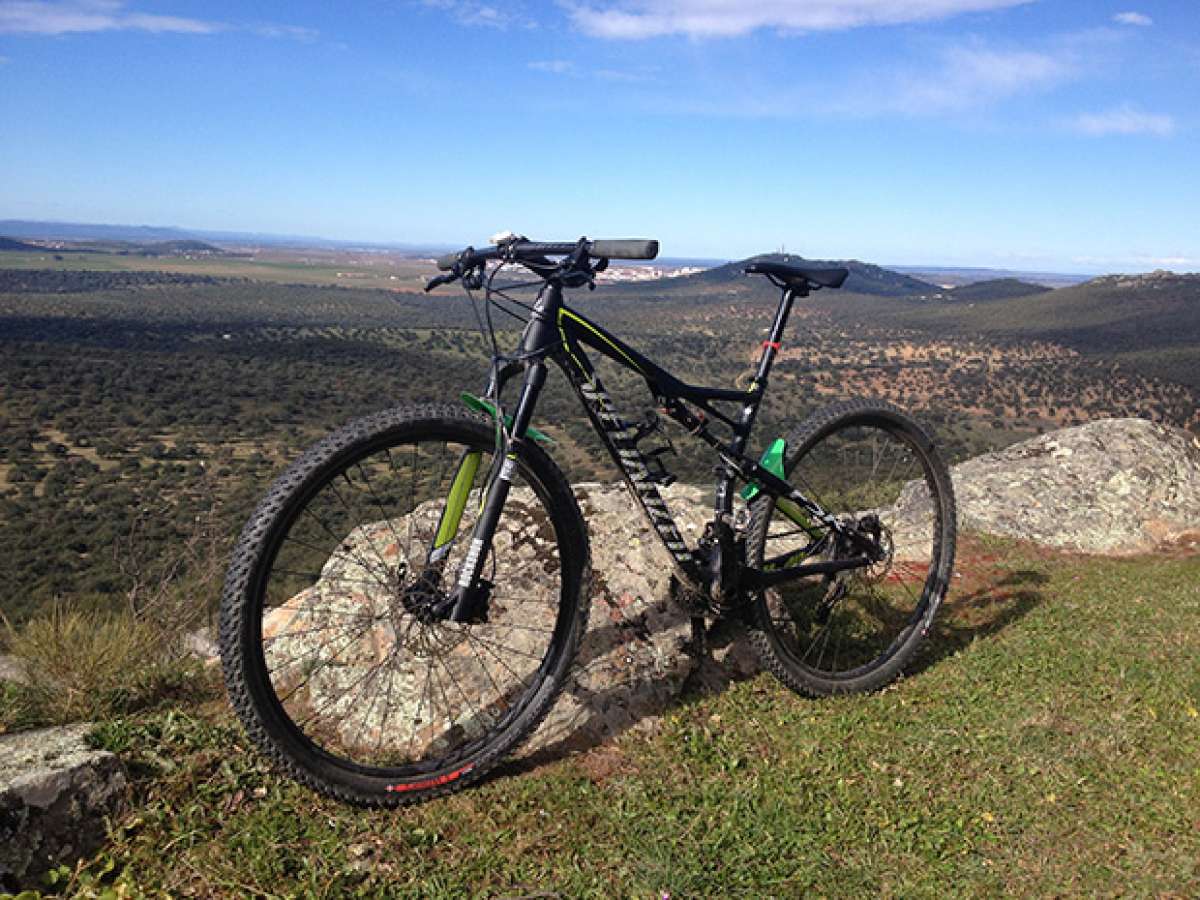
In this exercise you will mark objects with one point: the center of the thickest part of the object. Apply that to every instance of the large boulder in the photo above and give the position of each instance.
(55, 793)
(633, 661)
(1115, 486)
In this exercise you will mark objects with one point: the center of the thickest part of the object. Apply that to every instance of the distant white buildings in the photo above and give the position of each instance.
(646, 273)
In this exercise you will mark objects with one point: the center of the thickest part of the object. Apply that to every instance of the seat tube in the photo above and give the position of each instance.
(723, 577)
(770, 349)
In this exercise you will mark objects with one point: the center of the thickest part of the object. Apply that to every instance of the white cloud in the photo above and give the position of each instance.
(473, 12)
(970, 76)
(1124, 119)
(1133, 18)
(74, 16)
(624, 76)
(553, 66)
(636, 19)
(54, 17)
(287, 32)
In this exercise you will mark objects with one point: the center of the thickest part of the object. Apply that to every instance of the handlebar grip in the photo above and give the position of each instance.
(447, 262)
(626, 249)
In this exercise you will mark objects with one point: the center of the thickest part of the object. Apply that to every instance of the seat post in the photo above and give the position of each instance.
(774, 342)
(758, 384)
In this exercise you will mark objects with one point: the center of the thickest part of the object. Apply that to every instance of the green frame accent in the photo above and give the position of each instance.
(797, 515)
(478, 404)
(772, 460)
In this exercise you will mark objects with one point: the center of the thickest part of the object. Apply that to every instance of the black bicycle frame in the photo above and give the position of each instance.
(557, 332)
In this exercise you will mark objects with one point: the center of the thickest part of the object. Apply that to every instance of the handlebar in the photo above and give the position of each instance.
(521, 250)
(518, 250)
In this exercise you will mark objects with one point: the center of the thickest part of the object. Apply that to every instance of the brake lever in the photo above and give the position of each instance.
(439, 280)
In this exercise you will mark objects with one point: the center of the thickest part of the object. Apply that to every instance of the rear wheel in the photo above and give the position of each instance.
(874, 469)
(335, 657)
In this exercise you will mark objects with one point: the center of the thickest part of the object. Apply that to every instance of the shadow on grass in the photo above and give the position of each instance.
(602, 714)
(967, 617)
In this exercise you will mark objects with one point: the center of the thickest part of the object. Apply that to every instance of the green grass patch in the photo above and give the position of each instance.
(1047, 744)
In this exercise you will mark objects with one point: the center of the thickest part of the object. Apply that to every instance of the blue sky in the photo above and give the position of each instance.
(1037, 134)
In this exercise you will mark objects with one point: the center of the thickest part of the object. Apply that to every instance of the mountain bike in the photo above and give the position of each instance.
(404, 605)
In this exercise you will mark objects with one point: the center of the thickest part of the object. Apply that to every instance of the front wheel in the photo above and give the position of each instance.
(336, 656)
(873, 468)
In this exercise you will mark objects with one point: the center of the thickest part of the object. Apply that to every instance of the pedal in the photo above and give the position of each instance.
(656, 467)
(649, 424)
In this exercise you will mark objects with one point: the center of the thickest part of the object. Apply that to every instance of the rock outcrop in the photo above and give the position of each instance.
(1115, 486)
(55, 793)
(633, 662)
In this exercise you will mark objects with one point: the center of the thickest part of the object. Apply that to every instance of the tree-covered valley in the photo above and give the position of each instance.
(138, 407)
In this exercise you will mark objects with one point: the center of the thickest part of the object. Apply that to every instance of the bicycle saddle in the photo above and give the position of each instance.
(799, 277)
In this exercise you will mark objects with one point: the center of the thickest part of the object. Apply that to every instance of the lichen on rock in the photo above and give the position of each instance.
(55, 793)
(1114, 486)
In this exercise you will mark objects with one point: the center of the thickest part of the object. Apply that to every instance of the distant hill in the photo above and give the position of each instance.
(719, 282)
(1117, 311)
(1150, 321)
(864, 278)
(954, 276)
(180, 248)
(77, 231)
(996, 289)
(145, 234)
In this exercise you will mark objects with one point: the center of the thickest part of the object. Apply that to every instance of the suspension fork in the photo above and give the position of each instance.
(470, 592)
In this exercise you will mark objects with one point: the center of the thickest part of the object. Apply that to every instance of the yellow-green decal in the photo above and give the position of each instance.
(797, 515)
(566, 313)
(460, 489)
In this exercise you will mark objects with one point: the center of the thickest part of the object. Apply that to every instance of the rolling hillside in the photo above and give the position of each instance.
(995, 289)
(1150, 322)
(9, 244)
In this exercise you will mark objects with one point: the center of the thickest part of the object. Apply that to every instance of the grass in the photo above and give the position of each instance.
(1048, 743)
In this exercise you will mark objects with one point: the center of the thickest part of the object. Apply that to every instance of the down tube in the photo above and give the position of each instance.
(618, 438)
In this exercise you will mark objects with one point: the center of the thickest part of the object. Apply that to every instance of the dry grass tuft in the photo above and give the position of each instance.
(88, 664)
